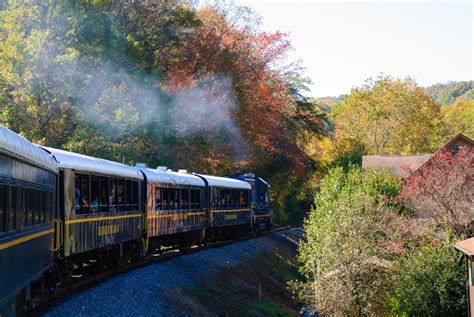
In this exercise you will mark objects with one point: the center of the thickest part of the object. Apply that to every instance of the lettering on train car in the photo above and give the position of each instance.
(110, 229)
(230, 217)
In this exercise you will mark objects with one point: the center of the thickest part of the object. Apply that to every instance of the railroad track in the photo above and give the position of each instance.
(76, 284)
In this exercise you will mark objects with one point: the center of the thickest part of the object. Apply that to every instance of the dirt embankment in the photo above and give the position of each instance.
(241, 279)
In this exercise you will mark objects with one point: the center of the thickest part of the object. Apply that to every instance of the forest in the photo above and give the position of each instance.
(201, 87)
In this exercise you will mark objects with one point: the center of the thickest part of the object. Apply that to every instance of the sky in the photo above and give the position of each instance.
(341, 44)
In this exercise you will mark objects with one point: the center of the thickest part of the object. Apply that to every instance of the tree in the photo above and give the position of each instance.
(346, 253)
(387, 116)
(458, 118)
(429, 281)
(442, 189)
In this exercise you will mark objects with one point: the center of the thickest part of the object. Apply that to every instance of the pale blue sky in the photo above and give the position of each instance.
(342, 44)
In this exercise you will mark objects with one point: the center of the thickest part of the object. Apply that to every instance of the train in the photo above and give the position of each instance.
(60, 211)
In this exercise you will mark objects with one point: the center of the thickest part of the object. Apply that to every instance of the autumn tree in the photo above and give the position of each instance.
(442, 189)
(387, 116)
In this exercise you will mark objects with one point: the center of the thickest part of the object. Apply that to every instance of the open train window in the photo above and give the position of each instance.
(165, 198)
(195, 198)
(120, 195)
(22, 206)
(3, 206)
(185, 204)
(30, 208)
(128, 195)
(135, 196)
(95, 190)
(12, 208)
(158, 198)
(104, 194)
(36, 215)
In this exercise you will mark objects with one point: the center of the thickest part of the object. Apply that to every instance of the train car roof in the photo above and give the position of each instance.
(12, 144)
(216, 181)
(89, 164)
(167, 177)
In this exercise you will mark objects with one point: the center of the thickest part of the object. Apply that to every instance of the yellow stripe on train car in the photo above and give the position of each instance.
(177, 216)
(71, 221)
(24, 239)
(230, 210)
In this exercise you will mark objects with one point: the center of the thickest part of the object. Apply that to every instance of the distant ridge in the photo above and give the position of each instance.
(445, 94)
(452, 91)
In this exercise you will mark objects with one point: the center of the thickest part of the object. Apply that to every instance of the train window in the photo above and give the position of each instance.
(128, 195)
(172, 201)
(185, 199)
(215, 199)
(3, 206)
(77, 193)
(11, 211)
(104, 194)
(44, 206)
(177, 198)
(30, 208)
(36, 216)
(113, 194)
(135, 196)
(158, 198)
(85, 202)
(52, 206)
(21, 207)
(165, 198)
(120, 195)
(95, 189)
(194, 196)
(47, 204)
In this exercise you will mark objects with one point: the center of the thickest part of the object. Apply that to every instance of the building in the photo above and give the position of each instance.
(467, 248)
(403, 166)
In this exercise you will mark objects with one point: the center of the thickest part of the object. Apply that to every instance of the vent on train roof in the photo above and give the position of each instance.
(183, 171)
(162, 168)
(141, 165)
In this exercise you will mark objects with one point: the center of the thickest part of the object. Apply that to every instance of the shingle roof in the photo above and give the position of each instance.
(398, 165)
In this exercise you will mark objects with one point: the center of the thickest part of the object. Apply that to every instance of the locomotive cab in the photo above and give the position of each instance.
(260, 204)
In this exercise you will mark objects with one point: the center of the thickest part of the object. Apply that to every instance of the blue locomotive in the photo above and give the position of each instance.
(261, 213)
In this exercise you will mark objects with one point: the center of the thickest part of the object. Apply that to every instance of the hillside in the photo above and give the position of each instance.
(448, 93)
(443, 93)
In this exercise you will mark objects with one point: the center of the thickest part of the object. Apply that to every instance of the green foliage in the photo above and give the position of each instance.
(430, 282)
(454, 91)
(342, 258)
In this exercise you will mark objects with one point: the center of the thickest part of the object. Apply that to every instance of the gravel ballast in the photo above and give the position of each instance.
(143, 292)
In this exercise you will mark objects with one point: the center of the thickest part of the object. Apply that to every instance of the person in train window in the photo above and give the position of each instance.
(176, 204)
(119, 203)
(165, 205)
(85, 205)
(112, 207)
(158, 204)
(77, 195)
(95, 205)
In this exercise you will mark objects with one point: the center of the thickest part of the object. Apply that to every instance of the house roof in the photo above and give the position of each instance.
(398, 165)
(466, 246)
(458, 137)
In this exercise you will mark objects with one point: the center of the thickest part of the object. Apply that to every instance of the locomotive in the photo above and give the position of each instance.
(61, 210)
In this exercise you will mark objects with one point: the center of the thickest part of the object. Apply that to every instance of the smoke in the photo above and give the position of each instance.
(119, 102)
(111, 94)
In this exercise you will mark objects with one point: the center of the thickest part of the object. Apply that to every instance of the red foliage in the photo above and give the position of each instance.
(443, 188)
(265, 103)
